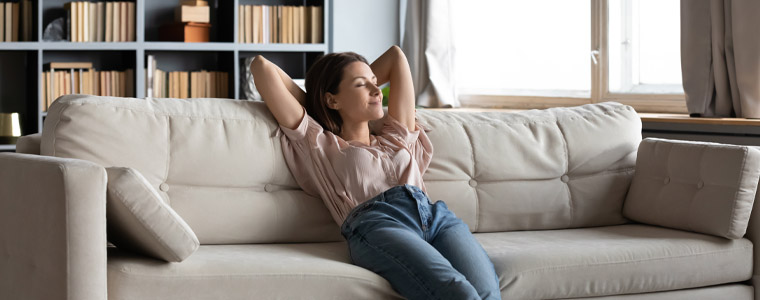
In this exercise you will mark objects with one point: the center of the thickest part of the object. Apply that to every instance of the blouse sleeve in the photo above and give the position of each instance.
(296, 148)
(417, 141)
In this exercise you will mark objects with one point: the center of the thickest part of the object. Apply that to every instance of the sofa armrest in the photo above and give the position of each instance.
(52, 228)
(753, 234)
(29, 143)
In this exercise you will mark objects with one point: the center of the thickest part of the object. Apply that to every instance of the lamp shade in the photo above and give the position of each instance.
(10, 128)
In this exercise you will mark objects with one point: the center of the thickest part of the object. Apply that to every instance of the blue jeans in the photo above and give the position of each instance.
(422, 249)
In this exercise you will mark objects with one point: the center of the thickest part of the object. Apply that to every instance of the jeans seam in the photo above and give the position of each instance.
(414, 275)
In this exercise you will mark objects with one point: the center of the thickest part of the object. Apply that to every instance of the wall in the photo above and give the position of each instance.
(367, 27)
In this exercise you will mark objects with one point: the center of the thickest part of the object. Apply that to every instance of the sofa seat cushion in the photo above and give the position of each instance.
(265, 271)
(624, 259)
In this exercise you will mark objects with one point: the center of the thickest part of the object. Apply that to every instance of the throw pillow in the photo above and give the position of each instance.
(702, 187)
(140, 221)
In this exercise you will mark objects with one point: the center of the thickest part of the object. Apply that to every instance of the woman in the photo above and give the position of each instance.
(372, 184)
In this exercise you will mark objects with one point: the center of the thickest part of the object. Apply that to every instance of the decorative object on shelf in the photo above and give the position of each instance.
(264, 24)
(55, 31)
(192, 13)
(10, 128)
(185, 32)
(191, 23)
(249, 87)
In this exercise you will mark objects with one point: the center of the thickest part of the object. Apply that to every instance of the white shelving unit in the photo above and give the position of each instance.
(21, 63)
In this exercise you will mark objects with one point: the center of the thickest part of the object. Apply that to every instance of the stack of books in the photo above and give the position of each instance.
(184, 84)
(16, 21)
(265, 24)
(100, 21)
(63, 78)
(191, 23)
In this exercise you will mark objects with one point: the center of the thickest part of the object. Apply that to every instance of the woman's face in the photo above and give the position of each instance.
(358, 98)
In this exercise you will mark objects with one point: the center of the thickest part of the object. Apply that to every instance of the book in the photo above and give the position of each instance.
(257, 24)
(2, 22)
(15, 24)
(99, 19)
(68, 65)
(187, 13)
(116, 20)
(287, 33)
(241, 25)
(26, 30)
(184, 84)
(265, 29)
(249, 24)
(131, 35)
(73, 25)
(95, 78)
(44, 90)
(316, 24)
(8, 21)
(92, 20)
(84, 19)
(123, 34)
(108, 22)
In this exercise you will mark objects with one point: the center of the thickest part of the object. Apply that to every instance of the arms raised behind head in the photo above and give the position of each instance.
(282, 96)
(392, 66)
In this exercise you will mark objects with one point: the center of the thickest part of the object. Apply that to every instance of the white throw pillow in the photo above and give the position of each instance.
(140, 221)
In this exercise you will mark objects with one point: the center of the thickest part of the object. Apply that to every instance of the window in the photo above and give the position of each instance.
(545, 53)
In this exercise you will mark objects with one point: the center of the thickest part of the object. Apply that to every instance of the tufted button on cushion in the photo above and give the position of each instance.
(164, 187)
(565, 178)
(666, 180)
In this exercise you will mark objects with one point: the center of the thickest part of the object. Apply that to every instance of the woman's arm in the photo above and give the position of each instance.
(392, 66)
(282, 96)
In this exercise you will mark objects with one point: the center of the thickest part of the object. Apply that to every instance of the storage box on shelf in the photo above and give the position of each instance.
(22, 85)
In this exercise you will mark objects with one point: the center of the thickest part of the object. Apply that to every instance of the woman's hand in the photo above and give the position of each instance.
(392, 66)
(282, 96)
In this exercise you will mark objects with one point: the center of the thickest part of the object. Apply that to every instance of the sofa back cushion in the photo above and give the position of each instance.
(216, 162)
(219, 164)
(537, 169)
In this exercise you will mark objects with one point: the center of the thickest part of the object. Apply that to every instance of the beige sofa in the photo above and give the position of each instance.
(543, 191)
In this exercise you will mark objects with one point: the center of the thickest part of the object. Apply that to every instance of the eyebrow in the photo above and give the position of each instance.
(357, 77)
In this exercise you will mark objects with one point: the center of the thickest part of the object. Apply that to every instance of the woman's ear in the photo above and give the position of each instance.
(332, 103)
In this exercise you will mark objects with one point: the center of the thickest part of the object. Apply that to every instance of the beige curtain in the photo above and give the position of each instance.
(429, 46)
(720, 57)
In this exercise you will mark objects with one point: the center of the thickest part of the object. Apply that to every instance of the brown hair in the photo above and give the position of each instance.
(324, 76)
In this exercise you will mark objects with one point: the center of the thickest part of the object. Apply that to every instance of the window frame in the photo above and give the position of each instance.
(660, 103)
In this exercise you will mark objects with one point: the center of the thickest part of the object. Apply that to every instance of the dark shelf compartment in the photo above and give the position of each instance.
(18, 87)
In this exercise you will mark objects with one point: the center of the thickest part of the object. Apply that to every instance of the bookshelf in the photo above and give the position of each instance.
(21, 63)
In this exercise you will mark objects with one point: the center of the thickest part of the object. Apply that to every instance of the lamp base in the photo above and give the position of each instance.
(8, 140)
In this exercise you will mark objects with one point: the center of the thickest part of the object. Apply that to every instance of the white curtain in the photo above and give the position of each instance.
(428, 43)
(720, 57)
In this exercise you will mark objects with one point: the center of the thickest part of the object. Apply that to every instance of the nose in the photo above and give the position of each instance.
(375, 90)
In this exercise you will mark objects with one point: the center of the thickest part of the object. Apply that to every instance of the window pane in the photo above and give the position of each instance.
(535, 47)
(644, 46)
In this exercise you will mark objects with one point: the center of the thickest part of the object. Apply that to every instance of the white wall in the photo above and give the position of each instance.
(367, 27)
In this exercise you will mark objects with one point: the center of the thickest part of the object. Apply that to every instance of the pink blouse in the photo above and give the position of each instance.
(345, 174)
